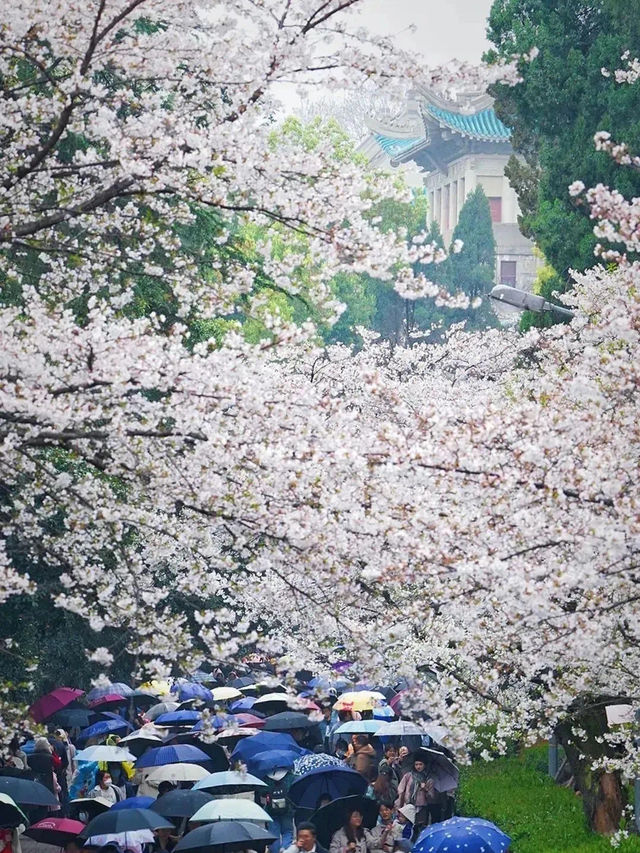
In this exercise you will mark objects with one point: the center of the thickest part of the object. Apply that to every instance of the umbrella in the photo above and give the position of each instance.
(216, 721)
(231, 809)
(109, 700)
(182, 753)
(104, 727)
(26, 792)
(245, 704)
(58, 699)
(190, 690)
(399, 728)
(396, 702)
(102, 752)
(265, 740)
(179, 803)
(288, 721)
(134, 803)
(125, 820)
(71, 718)
(440, 768)
(362, 700)
(88, 807)
(143, 698)
(249, 720)
(11, 815)
(230, 737)
(55, 830)
(204, 677)
(334, 782)
(175, 773)
(138, 742)
(262, 763)
(331, 817)
(178, 718)
(271, 703)
(223, 694)
(383, 712)
(160, 708)
(117, 688)
(229, 834)
(243, 681)
(306, 763)
(361, 727)
(229, 782)
(470, 834)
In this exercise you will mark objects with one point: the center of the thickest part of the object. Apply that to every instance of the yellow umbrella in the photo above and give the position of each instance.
(159, 688)
(359, 700)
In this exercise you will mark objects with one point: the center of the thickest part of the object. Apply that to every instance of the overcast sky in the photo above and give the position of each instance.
(444, 28)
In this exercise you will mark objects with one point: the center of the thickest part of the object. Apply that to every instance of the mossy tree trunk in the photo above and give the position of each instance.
(603, 796)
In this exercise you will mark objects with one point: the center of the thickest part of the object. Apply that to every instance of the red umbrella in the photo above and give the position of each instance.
(250, 720)
(55, 830)
(58, 699)
(396, 701)
(111, 700)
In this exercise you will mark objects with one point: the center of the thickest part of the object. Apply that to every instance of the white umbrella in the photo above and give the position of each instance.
(268, 698)
(221, 694)
(400, 728)
(169, 773)
(102, 752)
(229, 779)
(234, 809)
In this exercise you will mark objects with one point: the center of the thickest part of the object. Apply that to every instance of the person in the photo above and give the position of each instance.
(105, 789)
(416, 788)
(362, 756)
(406, 821)
(74, 845)
(17, 757)
(276, 802)
(164, 841)
(306, 841)
(389, 763)
(42, 764)
(352, 837)
(324, 727)
(164, 787)
(72, 764)
(385, 788)
(403, 763)
(341, 749)
(386, 831)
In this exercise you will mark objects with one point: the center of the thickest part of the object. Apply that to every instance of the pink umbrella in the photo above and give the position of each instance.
(249, 720)
(108, 701)
(55, 830)
(58, 699)
(396, 701)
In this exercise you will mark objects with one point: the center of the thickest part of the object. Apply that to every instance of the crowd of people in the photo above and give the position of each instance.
(397, 797)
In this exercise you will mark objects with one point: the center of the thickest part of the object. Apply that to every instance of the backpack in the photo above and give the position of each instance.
(275, 801)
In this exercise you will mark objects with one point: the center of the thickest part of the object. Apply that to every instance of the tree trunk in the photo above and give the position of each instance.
(603, 797)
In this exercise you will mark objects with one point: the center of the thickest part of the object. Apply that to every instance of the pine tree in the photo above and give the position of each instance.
(472, 269)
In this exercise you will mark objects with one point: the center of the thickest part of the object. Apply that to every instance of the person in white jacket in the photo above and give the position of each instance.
(352, 837)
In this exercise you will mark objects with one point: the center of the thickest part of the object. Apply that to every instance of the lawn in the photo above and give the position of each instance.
(541, 817)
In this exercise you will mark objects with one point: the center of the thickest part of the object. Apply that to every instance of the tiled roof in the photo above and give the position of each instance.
(395, 147)
(484, 125)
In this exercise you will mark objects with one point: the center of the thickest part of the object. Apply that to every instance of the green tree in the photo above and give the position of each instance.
(472, 269)
(563, 100)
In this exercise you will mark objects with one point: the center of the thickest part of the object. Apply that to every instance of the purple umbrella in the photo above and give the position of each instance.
(58, 699)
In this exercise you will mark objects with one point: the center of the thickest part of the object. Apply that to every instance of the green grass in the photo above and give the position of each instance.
(541, 817)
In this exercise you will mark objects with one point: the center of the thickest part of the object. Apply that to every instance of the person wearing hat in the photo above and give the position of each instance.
(406, 821)
(276, 802)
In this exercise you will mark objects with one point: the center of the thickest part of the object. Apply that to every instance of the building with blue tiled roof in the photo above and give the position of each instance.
(458, 146)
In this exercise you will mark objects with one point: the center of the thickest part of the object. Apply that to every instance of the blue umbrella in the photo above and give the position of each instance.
(469, 834)
(190, 690)
(315, 760)
(383, 712)
(331, 781)
(218, 721)
(178, 718)
(245, 704)
(181, 753)
(118, 688)
(105, 727)
(368, 727)
(265, 762)
(73, 718)
(265, 740)
(134, 803)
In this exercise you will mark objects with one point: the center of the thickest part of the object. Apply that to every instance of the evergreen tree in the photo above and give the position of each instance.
(472, 269)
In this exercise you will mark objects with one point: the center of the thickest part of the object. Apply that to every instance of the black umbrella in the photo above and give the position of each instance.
(86, 808)
(71, 718)
(331, 817)
(142, 699)
(11, 815)
(244, 681)
(26, 792)
(180, 803)
(125, 820)
(231, 834)
(287, 721)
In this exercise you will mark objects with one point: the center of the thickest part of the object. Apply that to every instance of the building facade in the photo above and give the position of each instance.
(458, 147)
